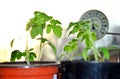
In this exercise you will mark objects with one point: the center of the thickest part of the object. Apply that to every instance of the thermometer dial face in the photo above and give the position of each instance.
(98, 20)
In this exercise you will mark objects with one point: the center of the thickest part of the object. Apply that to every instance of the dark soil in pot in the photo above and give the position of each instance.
(89, 70)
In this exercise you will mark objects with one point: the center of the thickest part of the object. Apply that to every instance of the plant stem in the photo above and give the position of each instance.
(27, 51)
(95, 52)
(40, 54)
(41, 44)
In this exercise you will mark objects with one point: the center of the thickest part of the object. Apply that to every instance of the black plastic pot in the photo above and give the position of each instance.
(89, 70)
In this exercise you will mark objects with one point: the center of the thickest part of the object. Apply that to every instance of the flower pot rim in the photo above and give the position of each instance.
(88, 61)
(33, 64)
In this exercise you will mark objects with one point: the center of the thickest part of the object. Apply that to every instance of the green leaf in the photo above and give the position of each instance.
(49, 27)
(80, 34)
(57, 30)
(113, 47)
(29, 24)
(73, 41)
(53, 47)
(55, 22)
(85, 53)
(49, 43)
(11, 43)
(32, 56)
(19, 55)
(89, 41)
(43, 40)
(24, 54)
(74, 46)
(74, 30)
(41, 15)
(16, 54)
(93, 35)
(36, 30)
(68, 48)
(31, 49)
(62, 55)
(71, 46)
(104, 50)
(83, 23)
(71, 24)
(83, 38)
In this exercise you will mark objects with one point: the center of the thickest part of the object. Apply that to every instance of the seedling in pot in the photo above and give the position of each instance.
(82, 30)
(37, 27)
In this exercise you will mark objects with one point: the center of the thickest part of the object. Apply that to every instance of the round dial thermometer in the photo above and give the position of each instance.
(98, 20)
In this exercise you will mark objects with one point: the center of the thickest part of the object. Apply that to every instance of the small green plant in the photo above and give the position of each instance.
(28, 54)
(38, 26)
(82, 30)
(17, 54)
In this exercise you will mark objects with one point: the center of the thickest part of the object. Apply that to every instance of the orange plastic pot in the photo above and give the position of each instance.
(23, 71)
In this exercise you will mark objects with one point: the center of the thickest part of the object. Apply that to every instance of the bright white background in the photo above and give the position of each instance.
(14, 14)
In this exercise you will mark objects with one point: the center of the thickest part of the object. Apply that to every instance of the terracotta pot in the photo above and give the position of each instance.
(37, 70)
